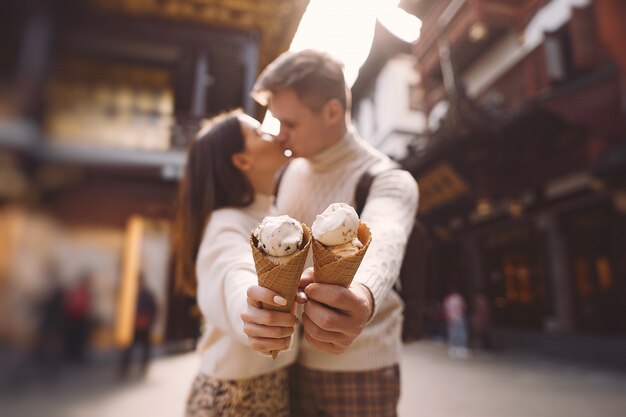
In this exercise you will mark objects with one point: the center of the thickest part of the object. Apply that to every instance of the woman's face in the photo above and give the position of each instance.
(263, 153)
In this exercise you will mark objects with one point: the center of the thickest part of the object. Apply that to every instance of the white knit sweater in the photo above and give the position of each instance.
(225, 270)
(307, 188)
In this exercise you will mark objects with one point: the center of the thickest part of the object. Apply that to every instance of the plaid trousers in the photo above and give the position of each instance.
(344, 394)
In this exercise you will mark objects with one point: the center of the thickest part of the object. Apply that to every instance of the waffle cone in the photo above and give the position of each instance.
(331, 269)
(283, 279)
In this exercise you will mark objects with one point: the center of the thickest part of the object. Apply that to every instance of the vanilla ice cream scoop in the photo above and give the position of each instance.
(279, 235)
(336, 225)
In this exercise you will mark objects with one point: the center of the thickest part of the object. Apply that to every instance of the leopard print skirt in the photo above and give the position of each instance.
(262, 396)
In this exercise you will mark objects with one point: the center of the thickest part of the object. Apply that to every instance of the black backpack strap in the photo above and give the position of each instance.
(365, 182)
(279, 178)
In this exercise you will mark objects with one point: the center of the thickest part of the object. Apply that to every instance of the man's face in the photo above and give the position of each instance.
(301, 130)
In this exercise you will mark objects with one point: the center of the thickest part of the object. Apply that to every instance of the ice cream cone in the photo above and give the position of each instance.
(284, 278)
(331, 269)
(281, 278)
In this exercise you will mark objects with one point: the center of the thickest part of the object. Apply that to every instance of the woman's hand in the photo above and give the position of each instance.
(305, 279)
(267, 329)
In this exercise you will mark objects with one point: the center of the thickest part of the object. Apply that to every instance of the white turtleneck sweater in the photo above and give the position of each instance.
(225, 270)
(307, 188)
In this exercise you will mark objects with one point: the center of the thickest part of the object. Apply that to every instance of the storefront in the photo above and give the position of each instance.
(515, 278)
(596, 245)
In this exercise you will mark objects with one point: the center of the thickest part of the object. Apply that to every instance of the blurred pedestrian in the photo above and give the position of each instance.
(454, 307)
(48, 347)
(226, 191)
(145, 316)
(77, 319)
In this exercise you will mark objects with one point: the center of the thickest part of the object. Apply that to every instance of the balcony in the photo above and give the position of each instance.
(470, 27)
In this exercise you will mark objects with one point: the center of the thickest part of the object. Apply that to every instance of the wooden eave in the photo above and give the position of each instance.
(275, 20)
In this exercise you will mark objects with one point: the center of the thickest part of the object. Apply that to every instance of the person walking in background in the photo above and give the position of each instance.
(48, 347)
(454, 307)
(481, 323)
(145, 316)
(226, 191)
(77, 319)
(436, 320)
(348, 360)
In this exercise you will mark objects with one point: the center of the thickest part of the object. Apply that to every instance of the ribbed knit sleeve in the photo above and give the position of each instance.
(225, 270)
(389, 212)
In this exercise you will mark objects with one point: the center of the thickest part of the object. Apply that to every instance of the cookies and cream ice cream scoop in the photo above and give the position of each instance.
(338, 224)
(278, 236)
(340, 240)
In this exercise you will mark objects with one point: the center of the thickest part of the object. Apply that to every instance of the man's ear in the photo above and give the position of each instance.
(333, 111)
(241, 161)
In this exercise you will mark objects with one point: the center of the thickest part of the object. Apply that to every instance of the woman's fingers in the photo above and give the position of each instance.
(306, 278)
(301, 297)
(268, 317)
(268, 332)
(267, 346)
(266, 296)
(267, 329)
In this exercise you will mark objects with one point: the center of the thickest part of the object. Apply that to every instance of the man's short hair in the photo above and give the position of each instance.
(315, 76)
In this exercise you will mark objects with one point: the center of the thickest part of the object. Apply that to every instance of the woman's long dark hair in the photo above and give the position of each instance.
(210, 182)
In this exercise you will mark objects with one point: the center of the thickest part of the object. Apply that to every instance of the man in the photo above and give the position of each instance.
(348, 360)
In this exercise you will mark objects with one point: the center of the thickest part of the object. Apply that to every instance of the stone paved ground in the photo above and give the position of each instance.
(510, 385)
(433, 385)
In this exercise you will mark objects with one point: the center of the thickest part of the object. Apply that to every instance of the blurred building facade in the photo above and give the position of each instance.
(521, 160)
(98, 101)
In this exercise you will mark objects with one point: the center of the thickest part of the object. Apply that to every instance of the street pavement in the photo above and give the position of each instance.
(433, 385)
(505, 385)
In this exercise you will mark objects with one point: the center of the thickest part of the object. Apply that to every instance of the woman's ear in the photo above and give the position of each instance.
(241, 161)
(333, 111)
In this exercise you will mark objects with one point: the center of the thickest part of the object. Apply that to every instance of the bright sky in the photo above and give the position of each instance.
(345, 29)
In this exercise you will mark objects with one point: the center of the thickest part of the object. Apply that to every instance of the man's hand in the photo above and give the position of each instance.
(268, 330)
(333, 315)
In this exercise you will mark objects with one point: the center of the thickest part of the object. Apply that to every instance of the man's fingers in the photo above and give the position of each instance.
(322, 335)
(324, 346)
(268, 297)
(332, 295)
(330, 320)
(355, 301)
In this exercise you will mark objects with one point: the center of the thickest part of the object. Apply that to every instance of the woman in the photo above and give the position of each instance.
(226, 192)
